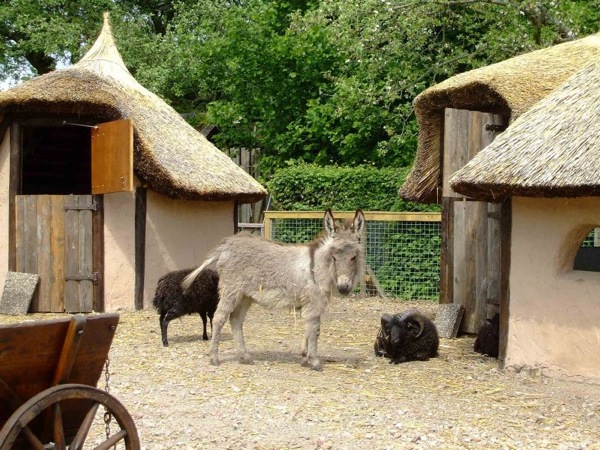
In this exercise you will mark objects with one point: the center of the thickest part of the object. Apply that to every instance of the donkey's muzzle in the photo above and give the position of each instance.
(344, 288)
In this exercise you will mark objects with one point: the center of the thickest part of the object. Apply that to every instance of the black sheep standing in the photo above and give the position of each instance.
(171, 302)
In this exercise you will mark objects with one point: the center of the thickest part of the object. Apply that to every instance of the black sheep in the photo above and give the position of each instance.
(408, 336)
(171, 302)
(488, 337)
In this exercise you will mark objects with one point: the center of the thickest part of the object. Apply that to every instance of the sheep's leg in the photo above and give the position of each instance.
(236, 320)
(164, 323)
(204, 334)
(313, 329)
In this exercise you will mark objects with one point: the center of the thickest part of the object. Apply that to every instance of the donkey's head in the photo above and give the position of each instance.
(344, 249)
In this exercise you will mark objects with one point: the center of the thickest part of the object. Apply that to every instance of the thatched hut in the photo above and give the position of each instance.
(457, 118)
(105, 187)
(547, 164)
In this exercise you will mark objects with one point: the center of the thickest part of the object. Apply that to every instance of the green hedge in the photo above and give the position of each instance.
(308, 187)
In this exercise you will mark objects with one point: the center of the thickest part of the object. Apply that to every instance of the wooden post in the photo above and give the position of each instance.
(505, 239)
(140, 246)
(14, 189)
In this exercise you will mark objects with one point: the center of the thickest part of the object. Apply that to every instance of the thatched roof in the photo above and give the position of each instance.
(552, 150)
(170, 156)
(509, 88)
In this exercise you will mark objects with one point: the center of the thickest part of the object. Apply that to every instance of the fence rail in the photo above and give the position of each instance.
(402, 249)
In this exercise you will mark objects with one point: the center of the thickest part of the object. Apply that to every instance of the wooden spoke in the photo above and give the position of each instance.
(59, 434)
(84, 429)
(67, 401)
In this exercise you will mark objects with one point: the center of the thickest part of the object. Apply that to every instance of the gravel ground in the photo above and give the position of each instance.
(460, 400)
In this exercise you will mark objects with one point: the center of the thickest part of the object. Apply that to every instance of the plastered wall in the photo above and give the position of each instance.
(119, 251)
(554, 320)
(179, 234)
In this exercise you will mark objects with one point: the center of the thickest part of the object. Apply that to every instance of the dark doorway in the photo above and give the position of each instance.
(56, 160)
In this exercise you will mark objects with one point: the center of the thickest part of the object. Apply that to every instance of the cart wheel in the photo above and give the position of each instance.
(49, 402)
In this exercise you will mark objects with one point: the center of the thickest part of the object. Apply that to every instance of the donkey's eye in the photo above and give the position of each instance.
(353, 258)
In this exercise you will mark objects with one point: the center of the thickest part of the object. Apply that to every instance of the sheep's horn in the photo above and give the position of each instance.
(421, 323)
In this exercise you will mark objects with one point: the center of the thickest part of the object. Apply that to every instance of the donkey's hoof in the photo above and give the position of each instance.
(313, 363)
(214, 361)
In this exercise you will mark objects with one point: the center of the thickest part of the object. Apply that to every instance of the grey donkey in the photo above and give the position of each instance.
(303, 277)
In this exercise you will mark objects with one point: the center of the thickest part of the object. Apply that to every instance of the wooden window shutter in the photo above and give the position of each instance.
(112, 157)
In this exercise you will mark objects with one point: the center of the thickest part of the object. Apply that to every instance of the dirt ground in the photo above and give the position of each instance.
(460, 400)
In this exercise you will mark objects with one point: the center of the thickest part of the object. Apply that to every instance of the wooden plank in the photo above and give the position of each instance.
(58, 243)
(112, 157)
(72, 252)
(456, 143)
(369, 215)
(480, 257)
(70, 346)
(86, 267)
(493, 259)
(140, 246)
(45, 260)
(461, 294)
(447, 251)
(98, 251)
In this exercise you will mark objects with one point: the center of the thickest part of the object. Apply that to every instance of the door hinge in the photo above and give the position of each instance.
(83, 277)
(91, 207)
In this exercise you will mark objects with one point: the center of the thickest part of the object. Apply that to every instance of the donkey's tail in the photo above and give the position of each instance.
(189, 279)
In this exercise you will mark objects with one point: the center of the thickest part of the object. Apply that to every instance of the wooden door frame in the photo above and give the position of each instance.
(15, 180)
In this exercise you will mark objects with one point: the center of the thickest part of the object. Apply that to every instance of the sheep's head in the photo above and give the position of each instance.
(402, 327)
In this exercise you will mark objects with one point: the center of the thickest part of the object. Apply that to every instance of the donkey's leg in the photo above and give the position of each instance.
(236, 320)
(313, 329)
(224, 309)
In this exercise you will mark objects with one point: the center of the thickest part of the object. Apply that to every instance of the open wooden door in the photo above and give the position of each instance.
(473, 241)
(112, 157)
(58, 225)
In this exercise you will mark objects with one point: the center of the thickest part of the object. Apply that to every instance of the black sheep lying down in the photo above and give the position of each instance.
(408, 336)
(171, 302)
(488, 337)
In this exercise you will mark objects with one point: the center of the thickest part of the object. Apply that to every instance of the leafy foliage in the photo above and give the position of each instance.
(321, 81)
(309, 187)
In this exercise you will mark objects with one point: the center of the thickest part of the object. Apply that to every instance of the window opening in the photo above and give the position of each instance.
(588, 255)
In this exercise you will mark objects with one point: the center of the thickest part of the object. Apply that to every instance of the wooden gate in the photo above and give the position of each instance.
(54, 239)
(473, 259)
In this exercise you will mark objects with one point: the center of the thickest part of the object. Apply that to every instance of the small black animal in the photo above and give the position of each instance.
(171, 302)
(408, 336)
(488, 337)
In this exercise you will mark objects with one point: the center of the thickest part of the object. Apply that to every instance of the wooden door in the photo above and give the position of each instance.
(54, 238)
(472, 237)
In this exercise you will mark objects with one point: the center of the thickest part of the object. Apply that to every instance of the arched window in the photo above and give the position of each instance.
(588, 255)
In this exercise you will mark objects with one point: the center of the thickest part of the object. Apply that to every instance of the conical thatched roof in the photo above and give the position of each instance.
(170, 156)
(509, 88)
(552, 150)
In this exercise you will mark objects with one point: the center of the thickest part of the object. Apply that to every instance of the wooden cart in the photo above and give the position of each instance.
(48, 396)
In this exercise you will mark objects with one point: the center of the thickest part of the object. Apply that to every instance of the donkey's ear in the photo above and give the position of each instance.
(359, 222)
(329, 223)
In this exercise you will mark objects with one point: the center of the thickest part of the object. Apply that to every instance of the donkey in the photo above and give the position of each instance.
(304, 277)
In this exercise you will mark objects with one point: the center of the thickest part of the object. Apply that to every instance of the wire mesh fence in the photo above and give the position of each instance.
(402, 249)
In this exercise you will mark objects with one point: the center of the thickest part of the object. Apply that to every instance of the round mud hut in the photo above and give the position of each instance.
(457, 119)
(104, 187)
